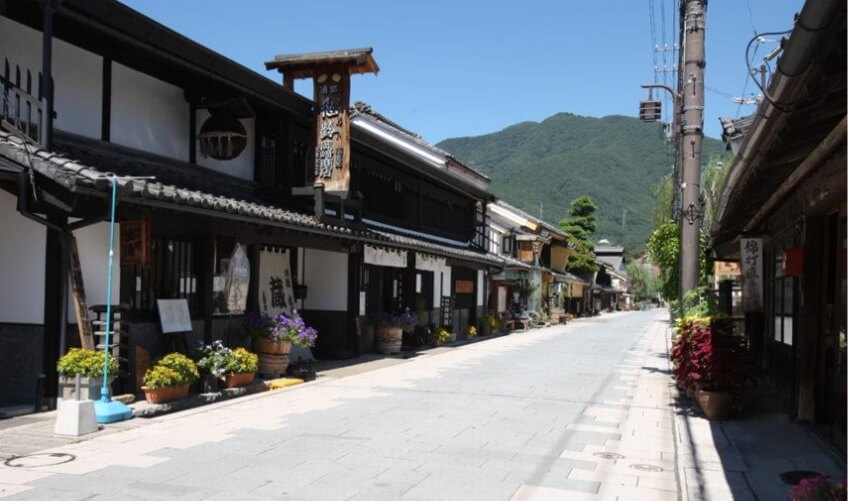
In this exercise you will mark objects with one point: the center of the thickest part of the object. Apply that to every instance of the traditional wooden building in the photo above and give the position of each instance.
(536, 255)
(782, 217)
(339, 212)
(611, 278)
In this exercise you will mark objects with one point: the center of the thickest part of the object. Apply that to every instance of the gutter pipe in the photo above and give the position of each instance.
(799, 53)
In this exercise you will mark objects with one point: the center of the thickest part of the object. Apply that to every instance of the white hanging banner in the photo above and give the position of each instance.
(238, 280)
(276, 293)
(429, 263)
(385, 257)
(751, 264)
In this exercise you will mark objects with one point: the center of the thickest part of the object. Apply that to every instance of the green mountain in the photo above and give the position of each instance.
(616, 160)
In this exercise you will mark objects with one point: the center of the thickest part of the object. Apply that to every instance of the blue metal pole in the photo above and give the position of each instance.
(104, 390)
(106, 410)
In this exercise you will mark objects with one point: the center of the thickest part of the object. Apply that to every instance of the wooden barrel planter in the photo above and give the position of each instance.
(236, 380)
(389, 340)
(273, 365)
(165, 393)
(263, 345)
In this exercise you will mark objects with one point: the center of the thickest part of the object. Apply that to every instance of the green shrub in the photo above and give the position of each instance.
(160, 376)
(173, 369)
(242, 361)
(442, 337)
(86, 363)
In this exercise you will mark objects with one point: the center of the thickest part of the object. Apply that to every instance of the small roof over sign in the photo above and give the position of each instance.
(303, 65)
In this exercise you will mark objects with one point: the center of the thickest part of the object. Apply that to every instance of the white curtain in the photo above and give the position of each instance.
(276, 291)
(385, 257)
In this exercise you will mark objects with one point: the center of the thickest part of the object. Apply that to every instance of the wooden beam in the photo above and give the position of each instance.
(106, 104)
(813, 160)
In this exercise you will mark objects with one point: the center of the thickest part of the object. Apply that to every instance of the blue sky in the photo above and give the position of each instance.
(452, 68)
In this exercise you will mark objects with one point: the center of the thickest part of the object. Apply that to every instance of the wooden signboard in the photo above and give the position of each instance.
(173, 315)
(135, 242)
(465, 287)
(78, 291)
(332, 123)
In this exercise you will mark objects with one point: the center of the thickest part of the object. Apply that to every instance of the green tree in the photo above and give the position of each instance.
(643, 283)
(664, 251)
(712, 182)
(580, 225)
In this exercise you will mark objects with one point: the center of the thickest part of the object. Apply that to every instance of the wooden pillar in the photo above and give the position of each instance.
(354, 285)
(192, 134)
(409, 282)
(106, 104)
(811, 317)
(55, 309)
(207, 273)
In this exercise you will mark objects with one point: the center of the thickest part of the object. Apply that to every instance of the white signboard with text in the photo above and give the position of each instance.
(174, 315)
(751, 266)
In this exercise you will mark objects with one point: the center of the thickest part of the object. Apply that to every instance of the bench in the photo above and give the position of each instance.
(510, 325)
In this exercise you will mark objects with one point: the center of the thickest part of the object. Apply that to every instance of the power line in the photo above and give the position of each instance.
(751, 15)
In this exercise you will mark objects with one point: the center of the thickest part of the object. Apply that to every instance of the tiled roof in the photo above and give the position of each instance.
(360, 108)
(186, 185)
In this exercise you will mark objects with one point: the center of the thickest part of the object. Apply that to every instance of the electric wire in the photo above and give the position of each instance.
(764, 91)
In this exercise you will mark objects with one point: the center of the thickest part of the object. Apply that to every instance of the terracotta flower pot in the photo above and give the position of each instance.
(263, 345)
(236, 380)
(690, 392)
(389, 340)
(715, 404)
(165, 393)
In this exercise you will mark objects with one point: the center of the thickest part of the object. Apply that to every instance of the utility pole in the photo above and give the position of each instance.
(691, 138)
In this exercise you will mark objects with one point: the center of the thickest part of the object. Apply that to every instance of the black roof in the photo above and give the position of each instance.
(84, 163)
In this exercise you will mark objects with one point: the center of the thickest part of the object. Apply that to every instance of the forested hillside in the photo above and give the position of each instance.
(616, 160)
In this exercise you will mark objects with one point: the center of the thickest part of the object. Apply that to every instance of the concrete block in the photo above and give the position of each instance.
(75, 417)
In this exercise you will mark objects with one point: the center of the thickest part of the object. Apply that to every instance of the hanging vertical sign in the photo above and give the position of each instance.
(135, 242)
(751, 265)
(238, 280)
(332, 122)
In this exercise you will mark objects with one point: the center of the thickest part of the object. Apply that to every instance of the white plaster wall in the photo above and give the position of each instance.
(445, 274)
(242, 165)
(325, 275)
(93, 247)
(21, 265)
(149, 114)
(77, 76)
(481, 282)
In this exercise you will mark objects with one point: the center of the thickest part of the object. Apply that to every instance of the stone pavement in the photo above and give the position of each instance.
(742, 458)
(584, 411)
(574, 412)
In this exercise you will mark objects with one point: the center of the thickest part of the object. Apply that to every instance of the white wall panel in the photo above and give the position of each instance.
(77, 76)
(93, 247)
(481, 284)
(242, 165)
(149, 114)
(21, 265)
(325, 275)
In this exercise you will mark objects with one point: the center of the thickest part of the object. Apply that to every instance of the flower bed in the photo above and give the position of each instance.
(711, 360)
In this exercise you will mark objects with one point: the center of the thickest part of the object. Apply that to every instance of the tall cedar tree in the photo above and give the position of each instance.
(581, 224)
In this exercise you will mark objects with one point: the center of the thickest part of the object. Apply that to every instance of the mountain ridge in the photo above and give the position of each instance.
(616, 160)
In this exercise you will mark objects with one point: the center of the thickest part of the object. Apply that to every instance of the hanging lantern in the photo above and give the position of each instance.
(222, 137)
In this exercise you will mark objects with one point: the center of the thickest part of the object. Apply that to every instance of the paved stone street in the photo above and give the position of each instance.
(569, 412)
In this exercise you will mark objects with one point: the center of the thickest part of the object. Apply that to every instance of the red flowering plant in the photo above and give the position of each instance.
(718, 359)
(681, 348)
(818, 489)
